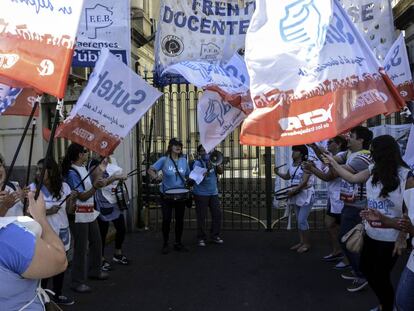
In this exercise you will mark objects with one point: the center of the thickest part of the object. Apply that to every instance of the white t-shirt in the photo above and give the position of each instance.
(59, 221)
(391, 206)
(334, 193)
(305, 195)
(409, 202)
(16, 209)
(109, 191)
(85, 211)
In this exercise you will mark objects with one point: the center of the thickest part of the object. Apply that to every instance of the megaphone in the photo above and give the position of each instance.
(216, 158)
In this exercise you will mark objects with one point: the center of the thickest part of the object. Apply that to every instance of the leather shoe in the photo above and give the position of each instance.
(81, 288)
(100, 276)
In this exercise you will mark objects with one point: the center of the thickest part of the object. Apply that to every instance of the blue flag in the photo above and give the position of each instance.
(8, 96)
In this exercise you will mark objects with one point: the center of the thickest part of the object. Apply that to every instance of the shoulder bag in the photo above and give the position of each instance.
(354, 238)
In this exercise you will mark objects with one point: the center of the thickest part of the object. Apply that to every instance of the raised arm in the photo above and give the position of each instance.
(285, 176)
(310, 168)
(347, 173)
(49, 257)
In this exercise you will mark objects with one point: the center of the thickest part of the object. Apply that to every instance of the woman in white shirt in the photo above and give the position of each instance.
(55, 191)
(386, 181)
(301, 196)
(85, 229)
(11, 198)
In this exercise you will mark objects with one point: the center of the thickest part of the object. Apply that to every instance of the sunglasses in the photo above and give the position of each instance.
(84, 151)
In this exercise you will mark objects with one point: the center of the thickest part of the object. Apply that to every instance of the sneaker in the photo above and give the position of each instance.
(121, 259)
(341, 266)
(180, 248)
(217, 240)
(349, 276)
(62, 300)
(377, 308)
(357, 285)
(332, 257)
(106, 266)
(201, 243)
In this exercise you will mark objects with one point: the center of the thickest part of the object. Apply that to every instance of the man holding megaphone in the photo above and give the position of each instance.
(206, 195)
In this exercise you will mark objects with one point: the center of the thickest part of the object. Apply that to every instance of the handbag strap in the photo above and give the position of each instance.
(176, 170)
(294, 173)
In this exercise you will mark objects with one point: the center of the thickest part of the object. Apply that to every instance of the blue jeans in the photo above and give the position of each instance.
(302, 214)
(404, 299)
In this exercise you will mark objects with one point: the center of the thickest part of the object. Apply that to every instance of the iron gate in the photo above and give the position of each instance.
(242, 187)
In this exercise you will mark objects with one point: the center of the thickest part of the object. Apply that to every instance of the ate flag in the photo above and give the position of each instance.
(36, 43)
(397, 66)
(230, 80)
(312, 75)
(216, 119)
(109, 107)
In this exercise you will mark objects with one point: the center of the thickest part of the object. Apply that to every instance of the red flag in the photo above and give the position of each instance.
(37, 42)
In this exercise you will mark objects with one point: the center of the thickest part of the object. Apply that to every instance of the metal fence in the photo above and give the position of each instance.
(245, 188)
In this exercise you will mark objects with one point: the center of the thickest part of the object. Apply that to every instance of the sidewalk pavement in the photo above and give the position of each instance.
(251, 271)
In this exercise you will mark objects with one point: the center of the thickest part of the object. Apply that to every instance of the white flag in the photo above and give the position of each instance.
(374, 20)
(397, 66)
(312, 75)
(409, 151)
(216, 119)
(109, 107)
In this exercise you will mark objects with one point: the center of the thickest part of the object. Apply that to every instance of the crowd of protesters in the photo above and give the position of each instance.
(367, 180)
(368, 183)
(74, 208)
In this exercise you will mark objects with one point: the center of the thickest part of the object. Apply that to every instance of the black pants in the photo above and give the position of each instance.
(87, 240)
(203, 203)
(179, 210)
(376, 264)
(119, 225)
(57, 283)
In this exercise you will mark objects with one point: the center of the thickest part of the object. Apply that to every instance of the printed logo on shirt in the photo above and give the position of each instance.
(172, 169)
(347, 192)
(384, 206)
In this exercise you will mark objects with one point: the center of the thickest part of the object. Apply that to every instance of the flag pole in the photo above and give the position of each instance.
(19, 146)
(29, 164)
(147, 162)
(58, 113)
(81, 182)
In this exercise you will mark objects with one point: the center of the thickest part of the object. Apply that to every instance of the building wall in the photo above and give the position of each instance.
(11, 127)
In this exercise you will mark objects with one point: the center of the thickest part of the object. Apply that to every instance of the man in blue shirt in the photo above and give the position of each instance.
(206, 196)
